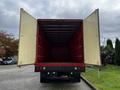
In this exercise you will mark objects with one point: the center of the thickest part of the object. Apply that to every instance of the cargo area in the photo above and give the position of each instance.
(59, 41)
(59, 48)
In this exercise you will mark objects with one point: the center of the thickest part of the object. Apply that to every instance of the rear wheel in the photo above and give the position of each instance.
(77, 77)
(42, 77)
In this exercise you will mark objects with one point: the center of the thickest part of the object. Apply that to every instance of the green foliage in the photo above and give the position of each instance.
(108, 79)
(117, 52)
(109, 44)
(107, 53)
(110, 75)
(109, 47)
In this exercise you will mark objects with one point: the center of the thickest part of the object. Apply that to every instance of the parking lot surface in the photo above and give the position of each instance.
(24, 78)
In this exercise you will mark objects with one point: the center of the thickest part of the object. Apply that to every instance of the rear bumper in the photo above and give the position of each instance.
(59, 67)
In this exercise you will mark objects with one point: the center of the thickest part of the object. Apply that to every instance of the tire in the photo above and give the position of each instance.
(42, 79)
(77, 77)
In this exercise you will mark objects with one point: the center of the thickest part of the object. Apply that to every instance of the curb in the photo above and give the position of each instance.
(88, 83)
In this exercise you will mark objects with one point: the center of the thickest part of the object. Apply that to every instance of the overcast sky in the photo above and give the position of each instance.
(109, 13)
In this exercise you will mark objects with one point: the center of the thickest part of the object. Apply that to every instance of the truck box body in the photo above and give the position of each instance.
(59, 48)
(59, 43)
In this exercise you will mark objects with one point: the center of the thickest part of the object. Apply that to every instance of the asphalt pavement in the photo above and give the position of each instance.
(24, 78)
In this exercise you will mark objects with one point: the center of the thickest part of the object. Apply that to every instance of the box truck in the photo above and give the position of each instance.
(59, 48)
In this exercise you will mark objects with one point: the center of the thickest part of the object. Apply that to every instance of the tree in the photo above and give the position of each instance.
(103, 55)
(117, 52)
(109, 44)
(9, 43)
(109, 51)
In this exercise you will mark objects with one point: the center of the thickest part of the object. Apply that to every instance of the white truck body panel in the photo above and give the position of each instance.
(92, 39)
(27, 43)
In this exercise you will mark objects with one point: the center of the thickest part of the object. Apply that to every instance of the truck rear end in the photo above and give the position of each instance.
(59, 54)
(59, 48)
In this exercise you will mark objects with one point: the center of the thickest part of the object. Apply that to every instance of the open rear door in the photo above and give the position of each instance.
(92, 39)
(27, 43)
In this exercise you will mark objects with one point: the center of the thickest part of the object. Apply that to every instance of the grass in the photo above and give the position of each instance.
(107, 79)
